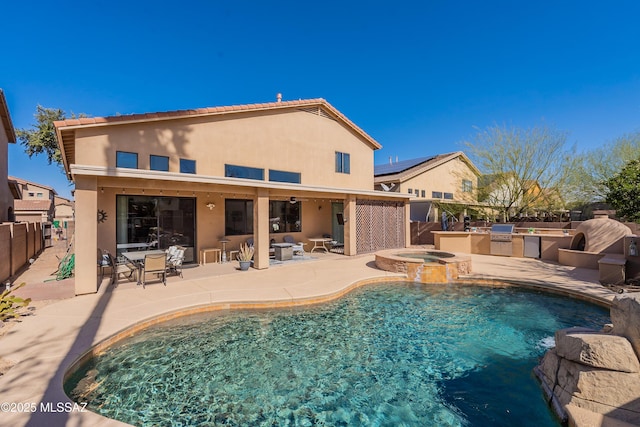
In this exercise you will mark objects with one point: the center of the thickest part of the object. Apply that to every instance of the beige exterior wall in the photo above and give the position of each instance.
(445, 178)
(294, 141)
(6, 198)
(290, 140)
(33, 191)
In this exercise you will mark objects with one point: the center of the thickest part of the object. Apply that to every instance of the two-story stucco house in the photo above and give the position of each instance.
(198, 177)
(432, 181)
(35, 202)
(7, 136)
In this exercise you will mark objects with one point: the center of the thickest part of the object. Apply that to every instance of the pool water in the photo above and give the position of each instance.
(394, 354)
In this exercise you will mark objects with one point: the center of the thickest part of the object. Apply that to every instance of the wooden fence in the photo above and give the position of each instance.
(18, 243)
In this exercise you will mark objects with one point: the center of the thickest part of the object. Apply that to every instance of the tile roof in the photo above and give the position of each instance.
(32, 205)
(21, 181)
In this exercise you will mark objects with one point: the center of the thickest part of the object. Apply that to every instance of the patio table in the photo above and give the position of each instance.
(137, 259)
(319, 243)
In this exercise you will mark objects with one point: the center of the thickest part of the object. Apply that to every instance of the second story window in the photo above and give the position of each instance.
(448, 196)
(436, 194)
(284, 176)
(343, 162)
(187, 166)
(235, 171)
(467, 186)
(125, 159)
(159, 163)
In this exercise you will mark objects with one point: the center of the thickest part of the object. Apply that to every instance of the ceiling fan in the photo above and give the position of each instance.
(293, 200)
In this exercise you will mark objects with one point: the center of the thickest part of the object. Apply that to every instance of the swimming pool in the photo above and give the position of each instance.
(387, 354)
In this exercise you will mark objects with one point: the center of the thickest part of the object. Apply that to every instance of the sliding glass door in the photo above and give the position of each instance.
(156, 222)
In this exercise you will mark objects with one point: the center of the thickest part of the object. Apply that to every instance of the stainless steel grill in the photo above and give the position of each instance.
(502, 239)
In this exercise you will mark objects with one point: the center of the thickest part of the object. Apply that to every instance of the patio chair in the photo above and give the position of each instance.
(155, 264)
(103, 262)
(120, 268)
(298, 248)
(174, 262)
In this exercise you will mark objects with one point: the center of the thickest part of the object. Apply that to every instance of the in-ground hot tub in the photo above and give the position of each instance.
(422, 265)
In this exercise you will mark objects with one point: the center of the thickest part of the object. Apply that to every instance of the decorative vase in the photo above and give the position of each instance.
(244, 265)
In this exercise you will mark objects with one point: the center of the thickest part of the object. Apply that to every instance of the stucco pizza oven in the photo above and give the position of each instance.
(592, 240)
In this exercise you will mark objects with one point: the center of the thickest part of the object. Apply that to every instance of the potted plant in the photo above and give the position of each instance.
(244, 256)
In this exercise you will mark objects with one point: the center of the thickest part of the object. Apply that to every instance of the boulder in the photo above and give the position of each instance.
(598, 351)
(625, 316)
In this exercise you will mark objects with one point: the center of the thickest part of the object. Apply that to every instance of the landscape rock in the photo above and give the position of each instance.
(598, 350)
(625, 316)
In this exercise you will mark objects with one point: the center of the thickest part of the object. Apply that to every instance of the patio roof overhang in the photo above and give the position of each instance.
(234, 184)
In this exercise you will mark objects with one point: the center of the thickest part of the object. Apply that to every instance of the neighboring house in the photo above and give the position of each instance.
(63, 217)
(36, 202)
(433, 182)
(63, 209)
(8, 190)
(198, 177)
(511, 198)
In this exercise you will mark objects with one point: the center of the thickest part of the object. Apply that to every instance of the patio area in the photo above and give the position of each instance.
(42, 346)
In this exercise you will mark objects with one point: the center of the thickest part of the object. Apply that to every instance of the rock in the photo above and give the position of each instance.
(599, 390)
(598, 350)
(625, 316)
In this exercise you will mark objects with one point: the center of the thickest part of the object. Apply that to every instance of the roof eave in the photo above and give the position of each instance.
(5, 117)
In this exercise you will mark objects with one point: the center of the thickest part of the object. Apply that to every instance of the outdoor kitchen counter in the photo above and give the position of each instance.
(480, 243)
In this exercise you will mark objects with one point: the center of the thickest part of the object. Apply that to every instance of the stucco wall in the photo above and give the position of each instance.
(445, 178)
(210, 224)
(6, 199)
(293, 141)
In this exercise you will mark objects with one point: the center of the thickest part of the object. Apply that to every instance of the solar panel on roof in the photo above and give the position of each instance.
(386, 169)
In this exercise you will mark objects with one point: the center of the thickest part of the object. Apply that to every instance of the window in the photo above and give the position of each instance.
(343, 162)
(126, 160)
(424, 193)
(436, 194)
(234, 171)
(410, 191)
(39, 195)
(159, 163)
(32, 194)
(283, 176)
(238, 217)
(467, 186)
(417, 192)
(187, 166)
(159, 222)
(284, 217)
(448, 196)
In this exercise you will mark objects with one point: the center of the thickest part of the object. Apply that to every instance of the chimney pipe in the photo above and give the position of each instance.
(396, 159)
(390, 160)
(279, 97)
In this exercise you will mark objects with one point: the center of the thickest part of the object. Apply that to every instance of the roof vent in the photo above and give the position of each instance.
(279, 97)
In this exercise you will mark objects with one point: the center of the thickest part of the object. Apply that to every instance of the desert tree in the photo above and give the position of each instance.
(623, 191)
(593, 168)
(41, 137)
(524, 170)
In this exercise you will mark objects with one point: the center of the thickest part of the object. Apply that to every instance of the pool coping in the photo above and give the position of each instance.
(46, 345)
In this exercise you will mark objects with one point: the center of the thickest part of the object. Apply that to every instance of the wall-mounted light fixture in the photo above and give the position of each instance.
(211, 205)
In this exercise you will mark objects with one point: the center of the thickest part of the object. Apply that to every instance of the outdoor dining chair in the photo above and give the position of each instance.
(174, 262)
(120, 268)
(155, 264)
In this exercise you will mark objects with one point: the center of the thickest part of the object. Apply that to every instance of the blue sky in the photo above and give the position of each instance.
(418, 76)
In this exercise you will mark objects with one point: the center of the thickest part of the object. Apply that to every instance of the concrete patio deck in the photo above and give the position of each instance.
(43, 346)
